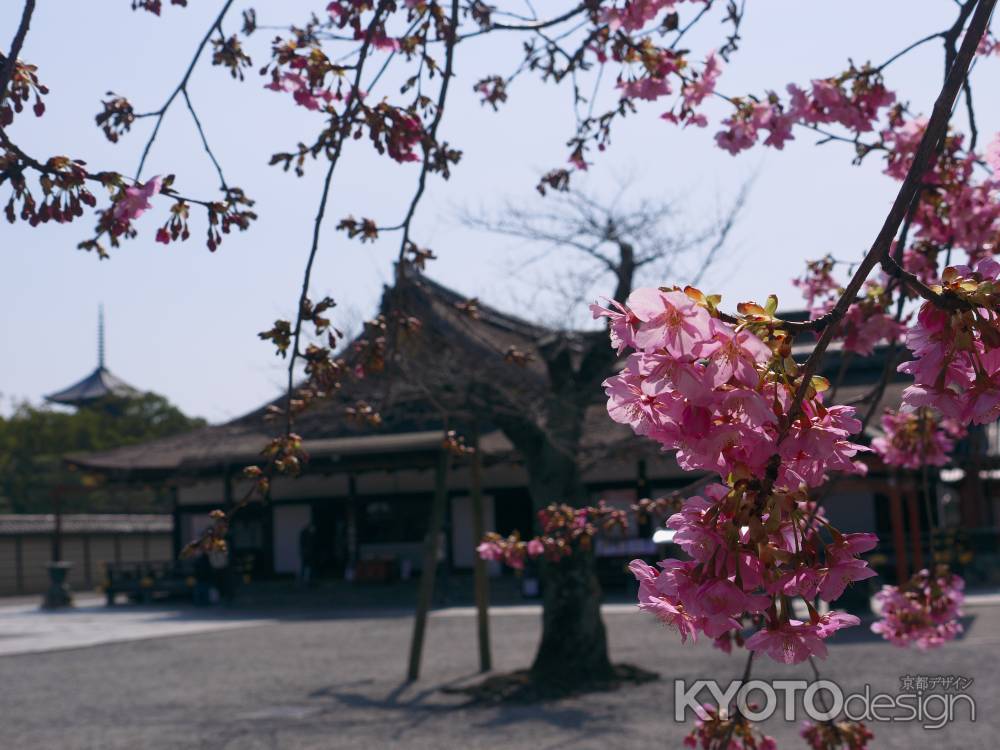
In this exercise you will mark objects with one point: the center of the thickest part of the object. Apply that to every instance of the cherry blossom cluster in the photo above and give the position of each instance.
(630, 34)
(836, 735)
(915, 439)
(717, 727)
(853, 99)
(565, 529)
(868, 322)
(301, 67)
(923, 612)
(957, 210)
(992, 156)
(748, 559)
(718, 395)
(956, 369)
(633, 15)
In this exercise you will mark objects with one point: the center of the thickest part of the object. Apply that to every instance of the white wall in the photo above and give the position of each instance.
(289, 520)
(463, 541)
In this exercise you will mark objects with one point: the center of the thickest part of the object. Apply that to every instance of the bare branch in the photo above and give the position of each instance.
(7, 72)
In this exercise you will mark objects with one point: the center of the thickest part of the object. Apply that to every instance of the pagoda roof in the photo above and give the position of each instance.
(98, 385)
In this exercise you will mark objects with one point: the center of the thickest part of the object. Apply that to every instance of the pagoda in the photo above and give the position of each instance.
(99, 385)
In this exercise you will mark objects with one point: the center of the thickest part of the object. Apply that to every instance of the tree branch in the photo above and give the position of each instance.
(181, 88)
(15, 48)
(936, 129)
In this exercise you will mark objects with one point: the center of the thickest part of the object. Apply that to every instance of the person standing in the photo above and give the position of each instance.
(307, 553)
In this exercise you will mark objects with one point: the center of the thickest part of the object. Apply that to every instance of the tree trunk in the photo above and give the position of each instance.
(574, 646)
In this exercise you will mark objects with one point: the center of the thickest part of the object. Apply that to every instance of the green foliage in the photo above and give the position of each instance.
(33, 440)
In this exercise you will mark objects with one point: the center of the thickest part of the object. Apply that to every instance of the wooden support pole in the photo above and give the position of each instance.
(427, 574)
(915, 541)
(352, 525)
(898, 537)
(19, 562)
(481, 581)
(88, 577)
(177, 541)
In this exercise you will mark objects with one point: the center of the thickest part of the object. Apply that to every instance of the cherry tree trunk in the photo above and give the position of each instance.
(574, 646)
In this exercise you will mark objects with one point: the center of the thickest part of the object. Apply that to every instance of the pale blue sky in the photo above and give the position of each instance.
(183, 321)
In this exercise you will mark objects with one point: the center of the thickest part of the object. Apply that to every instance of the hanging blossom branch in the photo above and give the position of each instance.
(724, 392)
(303, 69)
(63, 181)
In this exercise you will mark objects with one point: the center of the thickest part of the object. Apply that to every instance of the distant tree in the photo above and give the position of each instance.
(33, 440)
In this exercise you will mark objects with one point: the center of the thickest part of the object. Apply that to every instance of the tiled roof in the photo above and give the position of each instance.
(99, 384)
(451, 341)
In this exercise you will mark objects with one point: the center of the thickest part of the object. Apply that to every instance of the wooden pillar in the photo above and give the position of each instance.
(915, 541)
(19, 562)
(176, 540)
(427, 575)
(898, 535)
(88, 578)
(482, 581)
(352, 522)
(228, 504)
(641, 482)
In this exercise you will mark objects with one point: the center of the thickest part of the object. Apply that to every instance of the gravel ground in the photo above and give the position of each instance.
(336, 682)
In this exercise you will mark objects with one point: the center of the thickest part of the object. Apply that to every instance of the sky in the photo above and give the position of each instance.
(183, 322)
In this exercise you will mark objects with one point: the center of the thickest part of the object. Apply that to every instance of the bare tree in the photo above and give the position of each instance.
(537, 384)
(617, 243)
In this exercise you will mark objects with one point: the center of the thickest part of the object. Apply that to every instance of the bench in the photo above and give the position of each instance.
(145, 581)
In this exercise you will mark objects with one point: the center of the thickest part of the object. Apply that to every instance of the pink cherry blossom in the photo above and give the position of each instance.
(653, 599)
(489, 551)
(670, 320)
(839, 573)
(915, 439)
(303, 94)
(635, 14)
(622, 324)
(831, 622)
(993, 156)
(923, 612)
(696, 90)
(135, 202)
(790, 643)
(956, 369)
(733, 355)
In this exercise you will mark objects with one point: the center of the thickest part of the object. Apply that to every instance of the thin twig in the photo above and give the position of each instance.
(910, 48)
(347, 120)
(430, 139)
(162, 111)
(204, 140)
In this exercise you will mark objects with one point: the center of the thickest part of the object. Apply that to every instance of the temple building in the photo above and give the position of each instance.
(368, 489)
